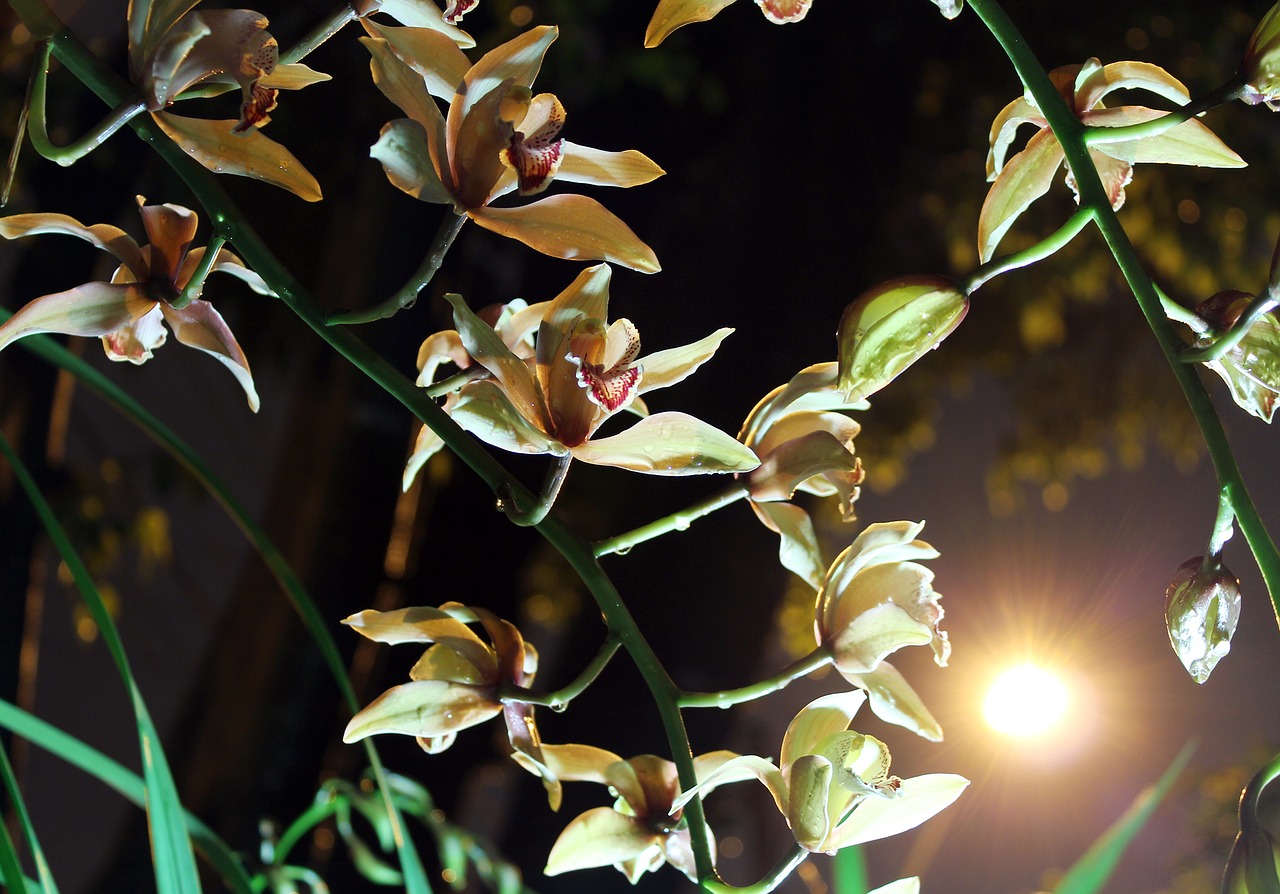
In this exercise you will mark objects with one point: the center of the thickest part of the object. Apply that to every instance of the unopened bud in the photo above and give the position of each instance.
(1261, 66)
(1202, 608)
(1251, 368)
(950, 8)
(891, 326)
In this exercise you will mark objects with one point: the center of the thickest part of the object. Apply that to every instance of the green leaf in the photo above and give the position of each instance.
(850, 866)
(10, 866)
(1091, 871)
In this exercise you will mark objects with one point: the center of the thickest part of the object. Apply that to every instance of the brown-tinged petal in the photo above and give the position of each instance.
(1114, 173)
(1005, 127)
(442, 347)
(784, 468)
(582, 164)
(442, 662)
(199, 326)
(784, 12)
(665, 368)
(574, 763)
(484, 410)
(250, 155)
(798, 550)
(104, 236)
(403, 149)
(432, 55)
(669, 444)
(421, 624)
(487, 348)
(475, 144)
(148, 21)
(92, 309)
(418, 14)
(1189, 143)
(226, 262)
(518, 60)
(170, 230)
(673, 14)
(1024, 179)
(599, 837)
(573, 227)
(425, 708)
(404, 86)
(135, 341)
(1129, 76)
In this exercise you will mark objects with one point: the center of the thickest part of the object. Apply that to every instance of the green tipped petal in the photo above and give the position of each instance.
(1024, 179)
(405, 155)
(669, 444)
(810, 780)
(599, 837)
(665, 368)
(424, 708)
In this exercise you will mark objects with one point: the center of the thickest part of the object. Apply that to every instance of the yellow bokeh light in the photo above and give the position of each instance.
(1026, 701)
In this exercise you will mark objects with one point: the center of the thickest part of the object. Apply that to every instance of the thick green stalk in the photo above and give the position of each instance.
(560, 698)
(676, 521)
(729, 697)
(1038, 252)
(1070, 132)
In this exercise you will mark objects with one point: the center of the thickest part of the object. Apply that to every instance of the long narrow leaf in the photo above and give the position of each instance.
(174, 862)
(850, 867)
(10, 867)
(123, 780)
(1091, 871)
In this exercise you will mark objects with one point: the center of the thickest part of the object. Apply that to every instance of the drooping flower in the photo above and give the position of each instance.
(1202, 609)
(873, 601)
(455, 684)
(1251, 367)
(805, 443)
(1028, 175)
(130, 311)
(581, 371)
(423, 14)
(498, 137)
(832, 784)
(673, 14)
(642, 830)
(1260, 69)
(172, 49)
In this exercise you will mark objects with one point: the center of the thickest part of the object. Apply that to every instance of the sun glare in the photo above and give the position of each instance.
(1025, 701)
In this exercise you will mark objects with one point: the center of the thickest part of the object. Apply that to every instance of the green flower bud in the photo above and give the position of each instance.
(891, 326)
(1202, 608)
(1254, 865)
(1252, 367)
(1261, 66)
(950, 8)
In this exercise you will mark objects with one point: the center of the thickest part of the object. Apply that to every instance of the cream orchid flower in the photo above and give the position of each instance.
(423, 14)
(805, 443)
(673, 14)
(833, 785)
(873, 601)
(497, 138)
(581, 372)
(455, 684)
(1028, 175)
(129, 312)
(642, 830)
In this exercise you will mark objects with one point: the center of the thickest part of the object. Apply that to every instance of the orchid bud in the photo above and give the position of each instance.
(1261, 67)
(1251, 368)
(950, 8)
(891, 326)
(1202, 608)
(1254, 865)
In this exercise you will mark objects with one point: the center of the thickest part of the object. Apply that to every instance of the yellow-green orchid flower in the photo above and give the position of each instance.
(130, 311)
(805, 443)
(642, 830)
(673, 14)
(1028, 174)
(1251, 367)
(455, 684)
(833, 785)
(498, 137)
(873, 601)
(172, 49)
(1261, 67)
(580, 372)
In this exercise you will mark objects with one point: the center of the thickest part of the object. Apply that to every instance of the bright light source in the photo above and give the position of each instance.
(1025, 701)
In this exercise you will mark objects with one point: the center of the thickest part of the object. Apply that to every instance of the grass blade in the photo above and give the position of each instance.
(10, 866)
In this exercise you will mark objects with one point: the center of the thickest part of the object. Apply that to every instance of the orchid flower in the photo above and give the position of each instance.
(581, 371)
(172, 49)
(833, 785)
(1028, 175)
(1261, 66)
(873, 601)
(144, 292)
(497, 138)
(1250, 367)
(642, 830)
(456, 682)
(673, 14)
(423, 14)
(805, 443)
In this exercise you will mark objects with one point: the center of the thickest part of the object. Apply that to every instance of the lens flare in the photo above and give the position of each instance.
(1026, 701)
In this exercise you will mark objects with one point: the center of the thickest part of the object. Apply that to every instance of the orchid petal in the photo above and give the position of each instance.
(293, 76)
(798, 549)
(250, 155)
(404, 152)
(148, 21)
(200, 326)
(1024, 179)
(1189, 143)
(745, 766)
(424, 14)
(170, 231)
(442, 662)
(572, 227)
(485, 410)
(92, 309)
(432, 55)
(425, 708)
(784, 468)
(135, 341)
(784, 12)
(403, 85)
(669, 444)
(575, 763)
(487, 348)
(427, 445)
(673, 14)
(894, 701)
(807, 814)
(901, 886)
(517, 60)
(1129, 76)
(167, 72)
(534, 152)
(599, 837)
(104, 236)
(422, 624)
(816, 721)
(442, 347)
(917, 800)
(862, 644)
(665, 368)
(474, 144)
(582, 164)
(226, 262)
(1005, 127)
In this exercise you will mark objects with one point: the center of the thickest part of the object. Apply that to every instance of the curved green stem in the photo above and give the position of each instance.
(1228, 92)
(1038, 252)
(455, 382)
(195, 285)
(125, 111)
(677, 521)
(560, 698)
(525, 518)
(1184, 315)
(783, 678)
(408, 294)
(1264, 303)
(1070, 133)
(324, 806)
(776, 876)
(330, 26)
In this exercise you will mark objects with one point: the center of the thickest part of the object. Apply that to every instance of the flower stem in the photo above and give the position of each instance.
(195, 285)
(509, 503)
(408, 294)
(330, 26)
(677, 521)
(455, 382)
(560, 698)
(1217, 348)
(1223, 527)
(20, 131)
(776, 876)
(125, 111)
(1038, 252)
(1228, 92)
(1184, 315)
(729, 697)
